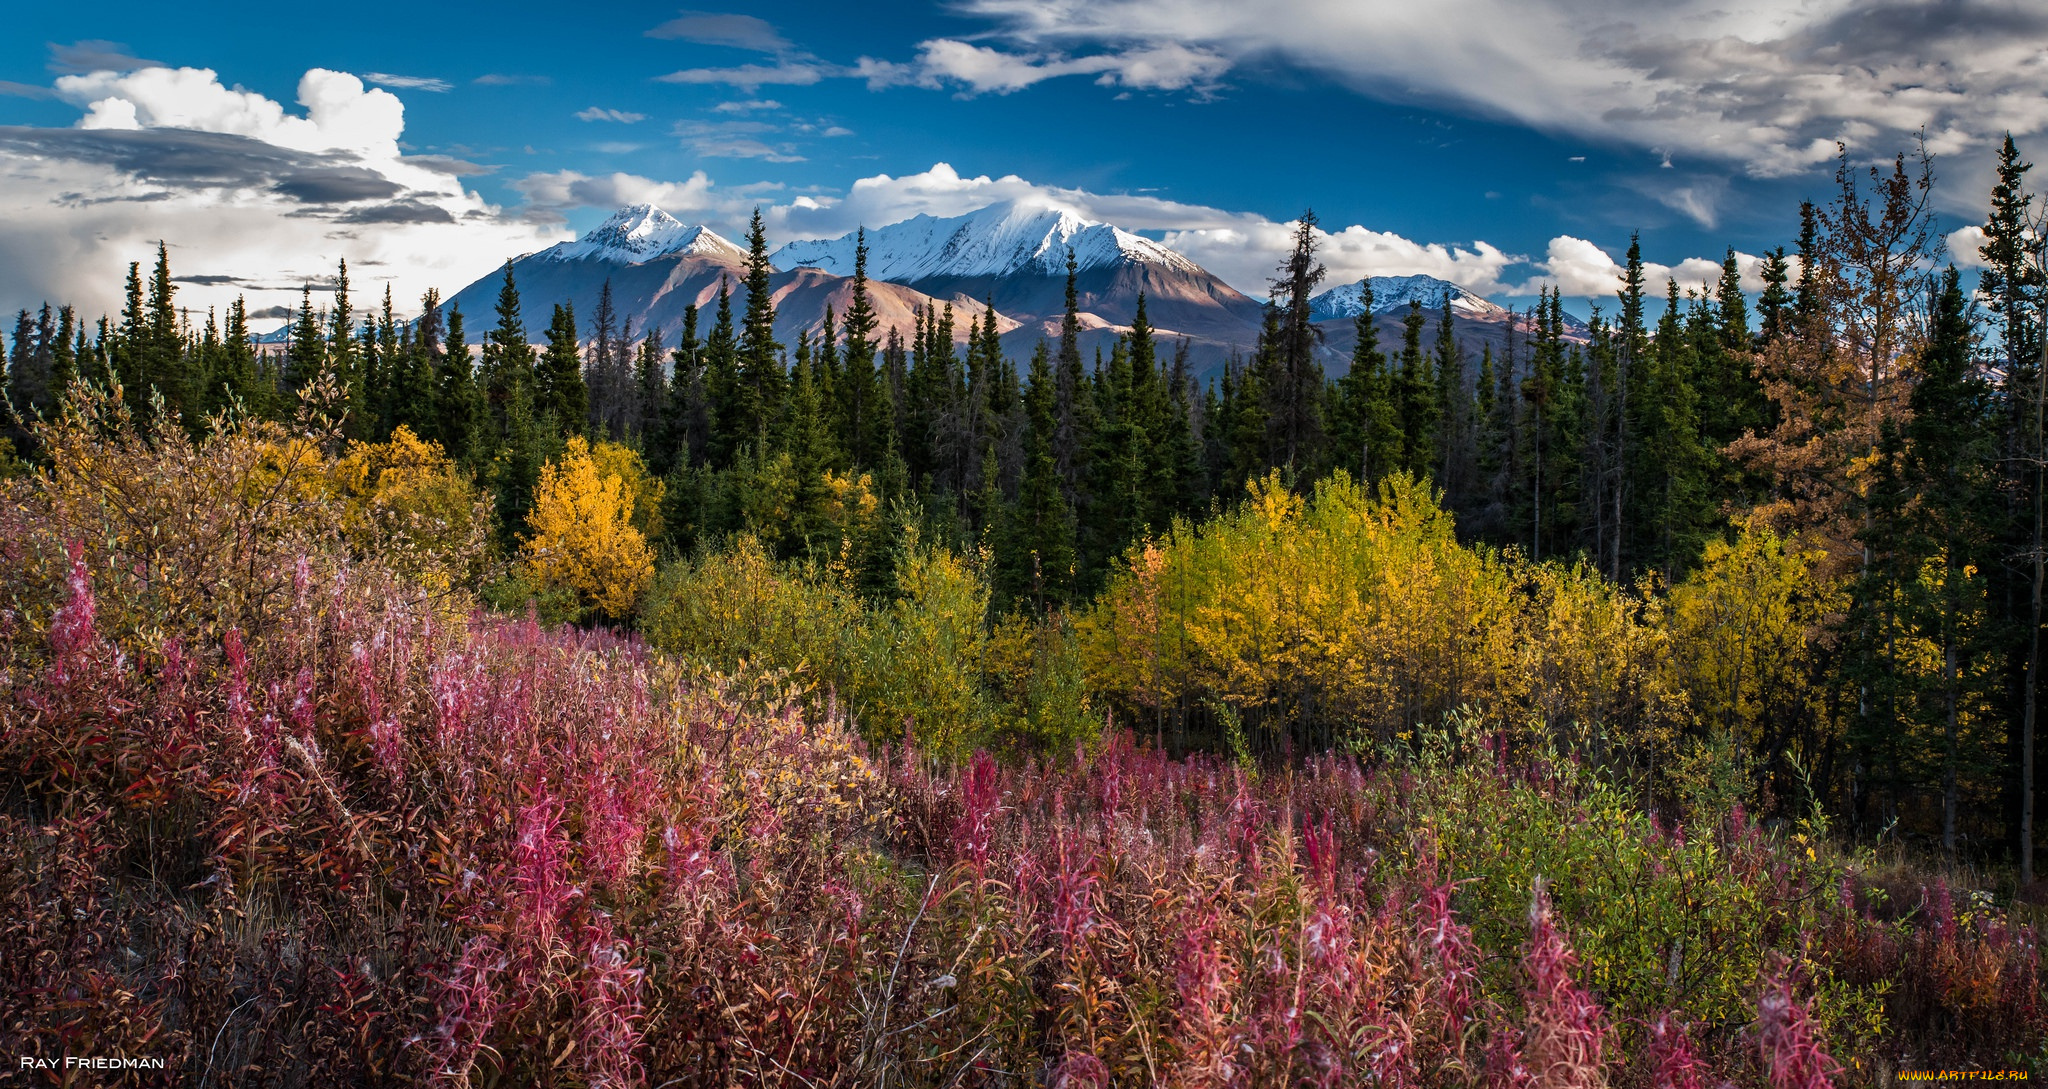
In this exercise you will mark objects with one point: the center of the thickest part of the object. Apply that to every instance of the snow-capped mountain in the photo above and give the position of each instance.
(1004, 239)
(642, 232)
(1396, 293)
(658, 267)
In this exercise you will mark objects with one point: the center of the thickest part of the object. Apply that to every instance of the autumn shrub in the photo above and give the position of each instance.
(925, 660)
(406, 504)
(192, 537)
(1354, 615)
(735, 607)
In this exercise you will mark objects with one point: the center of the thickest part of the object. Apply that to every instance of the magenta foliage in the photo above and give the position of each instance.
(980, 795)
(72, 632)
(1792, 1057)
(1673, 1062)
(1565, 1042)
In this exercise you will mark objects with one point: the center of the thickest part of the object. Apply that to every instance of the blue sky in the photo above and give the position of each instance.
(1502, 144)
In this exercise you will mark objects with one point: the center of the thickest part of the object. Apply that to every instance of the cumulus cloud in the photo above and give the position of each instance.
(252, 198)
(1769, 87)
(1965, 247)
(1583, 270)
(747, 105)
(599, 113)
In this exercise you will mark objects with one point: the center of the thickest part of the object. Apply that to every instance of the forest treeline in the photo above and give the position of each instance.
(1779, 550)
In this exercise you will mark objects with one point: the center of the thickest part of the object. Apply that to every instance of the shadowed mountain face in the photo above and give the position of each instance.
(653, 284)
(1015, 255)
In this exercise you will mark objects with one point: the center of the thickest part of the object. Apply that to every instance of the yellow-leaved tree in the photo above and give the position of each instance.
(584, 539)
(1744, 629)
(408, 503)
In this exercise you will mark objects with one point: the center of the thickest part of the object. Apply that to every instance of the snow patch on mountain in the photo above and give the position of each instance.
(641, 232)
(1004, 239)
(1391, 293)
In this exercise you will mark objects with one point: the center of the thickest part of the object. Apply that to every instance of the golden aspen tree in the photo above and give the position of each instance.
(583, 535)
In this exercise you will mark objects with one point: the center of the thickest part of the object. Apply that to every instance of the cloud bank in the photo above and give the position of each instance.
(253, 198)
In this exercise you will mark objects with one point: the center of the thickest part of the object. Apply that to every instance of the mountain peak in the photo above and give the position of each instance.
(1007, 238)
(1397, 293)
(643, 232)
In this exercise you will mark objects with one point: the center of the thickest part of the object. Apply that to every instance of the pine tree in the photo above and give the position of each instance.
(2013, 252)
(650, 385)
(614, 399)
(1364, 428)
(125, 348)
(344, 359)
(1454, 440)
(306, 351)
(1074, 410)
(861, 403)
(460, 412)
(64, 354)
(1415, 398)
(1037, 556)
(1774, 306)
(157, 345)
(758, 396)
(1294, 378)
(730, 432)
(687, 419)
(507, 361)
(237, 380)
(559, 393)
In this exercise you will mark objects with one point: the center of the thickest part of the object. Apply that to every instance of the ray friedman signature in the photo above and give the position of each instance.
(93, 1062)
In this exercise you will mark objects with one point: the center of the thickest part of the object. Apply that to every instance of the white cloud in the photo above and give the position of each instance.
(340, 114)
(709, 28)
(252, 197)
(564, 190)
(1583, 270)
(599, 113)
(749, 77)
(1768, 86)
(979, 69)
(1965, 247)
(409, 83)
(747, 105)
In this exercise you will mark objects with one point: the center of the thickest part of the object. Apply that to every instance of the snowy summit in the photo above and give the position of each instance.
(642, 232)
(1392, 293)
(1004, 239)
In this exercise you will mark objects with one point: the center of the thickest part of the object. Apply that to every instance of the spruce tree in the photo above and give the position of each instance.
(861, 424)
(507, 361)
(306, 350)
(560, 394)
(1774, 306)
(126, 348)
(758, 395)
(1294, 378)
(1415, 397)
(460, 412)
(344, 360)
(731, 431)
(1365, 429)
(1036, 560)
(2012, 282)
